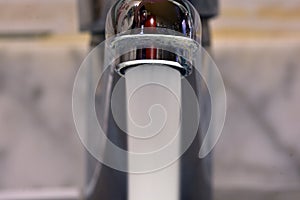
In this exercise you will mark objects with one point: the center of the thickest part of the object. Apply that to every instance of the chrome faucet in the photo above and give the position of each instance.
(154, 17)
(151, 16)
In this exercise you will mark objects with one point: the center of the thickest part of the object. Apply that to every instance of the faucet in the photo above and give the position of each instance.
(151, 16)
(154, 17)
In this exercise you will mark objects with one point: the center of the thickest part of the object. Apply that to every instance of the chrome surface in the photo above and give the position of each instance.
(144, 16)
(177, 15)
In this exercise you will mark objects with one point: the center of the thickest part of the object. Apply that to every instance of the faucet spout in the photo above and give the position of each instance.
(177, 15)
(156, 18)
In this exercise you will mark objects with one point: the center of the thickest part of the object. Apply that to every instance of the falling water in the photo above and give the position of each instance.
(154, 97)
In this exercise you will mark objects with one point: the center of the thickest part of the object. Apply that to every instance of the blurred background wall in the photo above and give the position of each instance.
(256, 45)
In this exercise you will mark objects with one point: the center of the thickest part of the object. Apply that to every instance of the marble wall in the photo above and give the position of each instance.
(259, 147)
(39, 146)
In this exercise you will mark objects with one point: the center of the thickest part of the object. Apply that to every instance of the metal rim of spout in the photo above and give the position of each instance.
(185, 70)
(173, 50)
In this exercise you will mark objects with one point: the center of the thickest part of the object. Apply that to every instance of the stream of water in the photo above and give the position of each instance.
(154, 97)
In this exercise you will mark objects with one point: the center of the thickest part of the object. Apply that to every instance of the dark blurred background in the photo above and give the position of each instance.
(256, 45)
